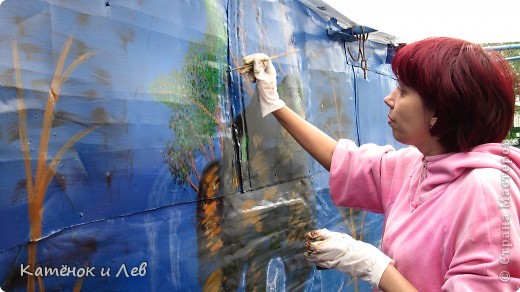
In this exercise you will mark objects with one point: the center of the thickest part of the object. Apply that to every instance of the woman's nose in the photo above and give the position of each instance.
(389, 100)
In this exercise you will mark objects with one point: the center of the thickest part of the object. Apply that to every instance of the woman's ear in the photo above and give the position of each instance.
(433, 120)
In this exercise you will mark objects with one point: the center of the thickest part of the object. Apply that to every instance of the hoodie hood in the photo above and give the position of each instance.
(437, 172)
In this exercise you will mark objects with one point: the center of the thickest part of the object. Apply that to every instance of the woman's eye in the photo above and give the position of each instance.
(401, 92)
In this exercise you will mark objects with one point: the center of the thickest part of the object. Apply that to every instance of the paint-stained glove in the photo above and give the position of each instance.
(336, 250)
(264, 74)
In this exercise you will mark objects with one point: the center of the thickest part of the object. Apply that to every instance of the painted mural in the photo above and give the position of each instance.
(133, 159)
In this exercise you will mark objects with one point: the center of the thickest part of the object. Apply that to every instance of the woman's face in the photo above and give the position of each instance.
(409, 119)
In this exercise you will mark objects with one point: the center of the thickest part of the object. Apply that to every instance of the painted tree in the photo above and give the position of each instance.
(192, 93)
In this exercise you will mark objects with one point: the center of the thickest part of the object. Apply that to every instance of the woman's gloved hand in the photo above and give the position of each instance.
(264, 74)
(340, 251)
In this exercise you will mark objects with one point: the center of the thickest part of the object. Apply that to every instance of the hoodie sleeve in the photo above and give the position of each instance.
(482, 246)
(368, 176)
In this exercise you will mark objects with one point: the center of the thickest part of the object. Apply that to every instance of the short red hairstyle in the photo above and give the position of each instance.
(470, 90)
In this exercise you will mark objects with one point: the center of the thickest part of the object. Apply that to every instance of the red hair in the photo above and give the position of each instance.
(470, 90)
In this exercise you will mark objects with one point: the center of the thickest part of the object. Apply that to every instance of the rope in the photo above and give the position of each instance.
(361, 39)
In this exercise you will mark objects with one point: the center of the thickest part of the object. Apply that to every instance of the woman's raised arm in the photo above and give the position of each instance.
(261, 71)
(318, 144)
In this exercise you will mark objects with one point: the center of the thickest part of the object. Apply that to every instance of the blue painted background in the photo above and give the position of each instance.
(115, 200)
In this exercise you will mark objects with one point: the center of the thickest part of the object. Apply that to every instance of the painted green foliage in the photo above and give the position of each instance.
(193, 94)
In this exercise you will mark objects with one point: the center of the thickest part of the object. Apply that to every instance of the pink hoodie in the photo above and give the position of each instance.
(451, 220)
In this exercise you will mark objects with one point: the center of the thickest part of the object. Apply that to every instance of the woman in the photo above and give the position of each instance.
(451, 201)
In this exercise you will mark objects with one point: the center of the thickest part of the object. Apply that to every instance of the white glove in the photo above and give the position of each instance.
(263, 73)
(340, 251)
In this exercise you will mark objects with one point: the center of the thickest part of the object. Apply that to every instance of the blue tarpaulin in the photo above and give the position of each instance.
(132, 160)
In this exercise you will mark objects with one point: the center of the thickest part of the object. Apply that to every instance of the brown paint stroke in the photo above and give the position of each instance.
(37, 185)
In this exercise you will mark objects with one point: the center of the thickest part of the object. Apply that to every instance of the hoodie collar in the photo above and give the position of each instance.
(438, 171)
